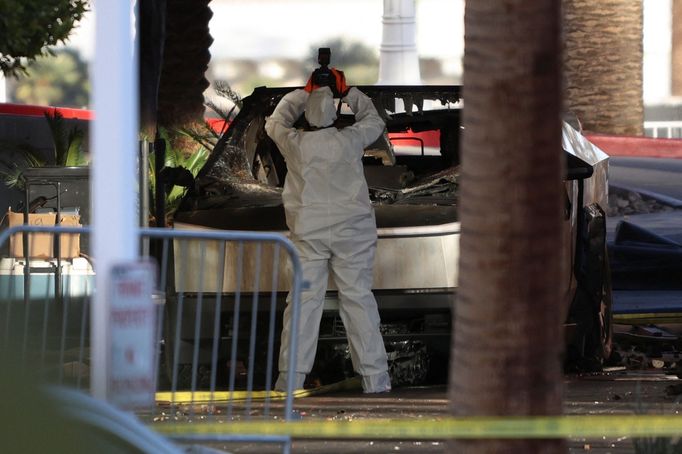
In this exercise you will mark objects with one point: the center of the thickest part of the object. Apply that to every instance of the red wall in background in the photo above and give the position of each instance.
(612, 145)
(39, 111)
(637, 146)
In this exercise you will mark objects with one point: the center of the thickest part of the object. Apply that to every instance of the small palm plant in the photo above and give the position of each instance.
(178, 159)
(199, 141)
(23, 157)
(68, 144)
(67, 152)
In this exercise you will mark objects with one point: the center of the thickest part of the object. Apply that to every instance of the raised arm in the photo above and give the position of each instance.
(280, 125)
(368, 124)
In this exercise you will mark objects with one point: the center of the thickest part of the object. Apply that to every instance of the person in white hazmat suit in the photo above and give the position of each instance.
(332, 225)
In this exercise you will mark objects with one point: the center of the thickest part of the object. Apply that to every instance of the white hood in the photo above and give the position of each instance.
(319, 109)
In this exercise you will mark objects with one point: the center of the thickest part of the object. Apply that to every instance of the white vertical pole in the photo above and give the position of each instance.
(399, 61)
(114, 153)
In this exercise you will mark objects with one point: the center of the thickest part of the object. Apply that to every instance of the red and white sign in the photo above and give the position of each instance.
(132, 329)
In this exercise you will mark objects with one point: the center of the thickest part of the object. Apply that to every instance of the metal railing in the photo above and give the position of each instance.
(218, 295)
(46, 333)
(663, 129)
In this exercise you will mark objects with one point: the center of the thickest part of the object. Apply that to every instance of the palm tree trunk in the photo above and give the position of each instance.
(603, 64)
(185, 61)
(507, 324)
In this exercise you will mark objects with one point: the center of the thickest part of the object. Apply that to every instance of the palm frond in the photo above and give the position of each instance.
(195, 162)
(21, 156)
(11, 175)
(226, 116)
(55, 121)
(25, 150)
(33, 159)
(225, 90)
(74, 153)
(176, 158)
(68, 144)
(172, 155)
(207, 138)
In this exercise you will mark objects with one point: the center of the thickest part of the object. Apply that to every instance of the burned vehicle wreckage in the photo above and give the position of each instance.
(412, 175)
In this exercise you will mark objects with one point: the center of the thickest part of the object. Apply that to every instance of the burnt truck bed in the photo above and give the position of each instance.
(271, 219)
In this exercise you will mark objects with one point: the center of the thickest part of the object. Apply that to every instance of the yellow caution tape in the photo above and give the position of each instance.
(217, 397)
(590, 426)
(646, 318)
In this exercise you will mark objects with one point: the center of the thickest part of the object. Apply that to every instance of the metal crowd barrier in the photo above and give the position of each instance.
(218, 299)
(44, 331)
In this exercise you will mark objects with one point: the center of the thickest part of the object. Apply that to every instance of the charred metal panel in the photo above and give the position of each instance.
(406, 258)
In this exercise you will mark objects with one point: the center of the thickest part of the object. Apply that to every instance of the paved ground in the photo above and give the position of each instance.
(624, 392)
(610, 393)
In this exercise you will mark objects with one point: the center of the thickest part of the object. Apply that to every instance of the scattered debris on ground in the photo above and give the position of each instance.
(642, 347)
(623, 202)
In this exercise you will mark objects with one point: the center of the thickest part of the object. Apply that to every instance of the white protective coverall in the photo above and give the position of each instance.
(332, 224)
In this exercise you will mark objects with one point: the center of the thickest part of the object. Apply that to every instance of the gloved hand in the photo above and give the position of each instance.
(338, 85)
(341, 87)
(310, 86)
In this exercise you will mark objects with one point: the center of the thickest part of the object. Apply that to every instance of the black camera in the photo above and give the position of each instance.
(323, 76)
